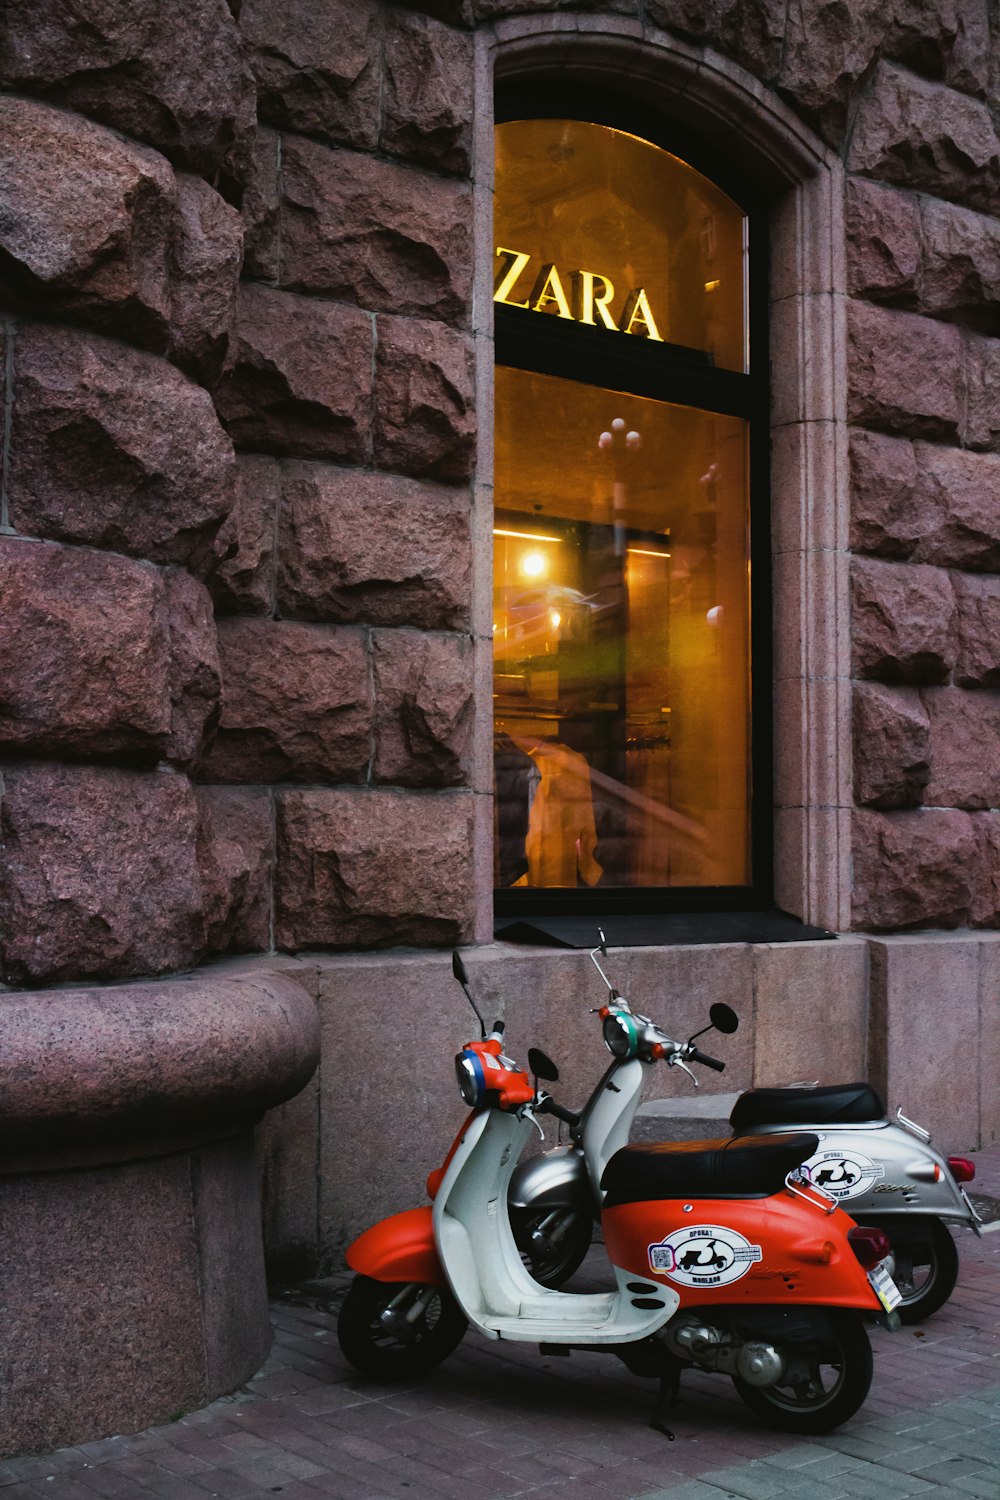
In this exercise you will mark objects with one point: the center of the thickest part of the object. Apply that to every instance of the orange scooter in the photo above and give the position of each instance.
(724, 1257)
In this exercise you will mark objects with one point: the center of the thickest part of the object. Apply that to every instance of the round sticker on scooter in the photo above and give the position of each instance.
(842, 1174)
(703, 1255)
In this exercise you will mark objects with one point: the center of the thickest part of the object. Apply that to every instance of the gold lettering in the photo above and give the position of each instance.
(549, 288)
(508, 274)
(638, 310)
(586, 303)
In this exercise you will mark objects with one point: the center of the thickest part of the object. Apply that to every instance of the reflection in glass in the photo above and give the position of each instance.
(615, 215)
(621, 639)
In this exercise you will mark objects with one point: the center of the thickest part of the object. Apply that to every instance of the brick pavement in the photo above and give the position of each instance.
(498, 1421)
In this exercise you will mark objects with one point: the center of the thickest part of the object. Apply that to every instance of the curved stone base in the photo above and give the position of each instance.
(128, 1293)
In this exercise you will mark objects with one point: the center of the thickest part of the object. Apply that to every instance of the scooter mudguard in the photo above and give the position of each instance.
(400, 1248)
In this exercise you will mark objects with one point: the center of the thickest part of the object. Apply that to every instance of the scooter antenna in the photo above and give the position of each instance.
(458, 969)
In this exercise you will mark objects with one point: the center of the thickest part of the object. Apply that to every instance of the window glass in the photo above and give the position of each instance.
(622, 581)
(617, 216)
(620, 630)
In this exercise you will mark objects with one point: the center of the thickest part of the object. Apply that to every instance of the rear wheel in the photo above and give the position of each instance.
(393, 1330)
(553, 1242)
(925, 1264)
(824, 1383)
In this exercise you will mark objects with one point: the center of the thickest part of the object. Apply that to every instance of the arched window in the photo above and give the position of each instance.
(631, 765)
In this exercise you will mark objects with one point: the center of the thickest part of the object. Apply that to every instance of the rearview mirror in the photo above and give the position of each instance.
(724, 1018)
(458, 969)
(542, 1065)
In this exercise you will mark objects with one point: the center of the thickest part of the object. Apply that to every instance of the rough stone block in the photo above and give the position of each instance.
(115, 448)
(752, 33)
(242, 580)
(427, 106)
(891, 746)
(194, 675)
(317, 66)
(354, 545)
(960, 265)
(87, 222)
(985, 910)
(978, 601)
(827, 50)
(964, 748)
(914, 869)
(982, 422)
(98, 876)
(924, 136)
(423, 708)
(883, 243)
(235, 856)
(424, 404)
(207, 256)
(961, 490)
(173, 76)
(373, 233)
(889, 512)
(296, 704)
(947, 39)
(905, 373)
(102, 656)
(298, 376)
(904, 621)
(261, 208)
(811, 1012)
(373, 869)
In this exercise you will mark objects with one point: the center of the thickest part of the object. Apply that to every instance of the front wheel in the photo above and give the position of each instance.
(925, 1264)
(393, 1330)
(552, 1242)
(824, 1383)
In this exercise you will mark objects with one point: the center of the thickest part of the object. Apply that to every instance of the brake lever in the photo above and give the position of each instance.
(527, 1112)
(678, 1062)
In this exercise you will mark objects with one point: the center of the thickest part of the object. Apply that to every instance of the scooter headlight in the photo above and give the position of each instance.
(471, 1080)
(621, 1036)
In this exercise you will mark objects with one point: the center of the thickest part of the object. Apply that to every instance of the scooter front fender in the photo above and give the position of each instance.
(400, 1248)
(553, 1179)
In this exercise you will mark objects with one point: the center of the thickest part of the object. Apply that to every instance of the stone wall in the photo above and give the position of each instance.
(237, 443)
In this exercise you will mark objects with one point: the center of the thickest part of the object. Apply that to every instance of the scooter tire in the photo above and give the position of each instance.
(810, 1406)
(375, 1350)
(555, 1268)
(927, 1263)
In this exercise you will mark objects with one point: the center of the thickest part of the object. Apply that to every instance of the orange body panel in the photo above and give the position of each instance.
(400, 1248)
(765, 1250)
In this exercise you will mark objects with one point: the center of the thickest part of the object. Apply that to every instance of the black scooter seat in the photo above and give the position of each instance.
(736, 1167)
(834, 1104)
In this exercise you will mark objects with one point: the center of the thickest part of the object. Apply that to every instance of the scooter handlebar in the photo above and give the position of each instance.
(696, 1055)
(549, 1106)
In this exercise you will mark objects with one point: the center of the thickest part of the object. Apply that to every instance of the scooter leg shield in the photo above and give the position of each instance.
(400, 1248)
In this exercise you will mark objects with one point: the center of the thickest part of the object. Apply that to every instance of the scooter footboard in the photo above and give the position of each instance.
(400, 1248)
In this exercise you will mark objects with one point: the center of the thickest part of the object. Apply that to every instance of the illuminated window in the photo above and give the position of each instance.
(625, 753)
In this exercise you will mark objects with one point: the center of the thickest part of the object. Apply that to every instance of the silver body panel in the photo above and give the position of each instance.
(869, 1169)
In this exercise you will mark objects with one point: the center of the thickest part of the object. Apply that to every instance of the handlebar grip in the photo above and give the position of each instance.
(499, 1027)
(696, 1055)
(549, 1106)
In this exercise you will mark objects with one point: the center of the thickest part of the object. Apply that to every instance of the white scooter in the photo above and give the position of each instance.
(722, 1258)
(885, 1174)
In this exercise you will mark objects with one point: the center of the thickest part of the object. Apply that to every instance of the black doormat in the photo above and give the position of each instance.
(659, 929)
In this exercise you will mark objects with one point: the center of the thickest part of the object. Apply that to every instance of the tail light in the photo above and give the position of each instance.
(869, 1245)
(961, 1168)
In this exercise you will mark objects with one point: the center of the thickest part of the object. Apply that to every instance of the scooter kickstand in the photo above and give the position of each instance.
(670, 1384)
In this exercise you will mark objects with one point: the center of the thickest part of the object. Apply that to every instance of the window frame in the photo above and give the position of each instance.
(665, 372)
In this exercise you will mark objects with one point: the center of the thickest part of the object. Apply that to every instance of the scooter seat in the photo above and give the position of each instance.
(736, 1167)
(835, 1104)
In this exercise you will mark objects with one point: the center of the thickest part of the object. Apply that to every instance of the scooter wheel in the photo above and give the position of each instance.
(926, 1264)
(553, 1242)
(825, 1381)
(394, 1330)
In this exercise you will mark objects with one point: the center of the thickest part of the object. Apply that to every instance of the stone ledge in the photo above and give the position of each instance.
(138, 1070)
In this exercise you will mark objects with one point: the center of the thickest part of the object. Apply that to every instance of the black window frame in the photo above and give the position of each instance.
(665, 372)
